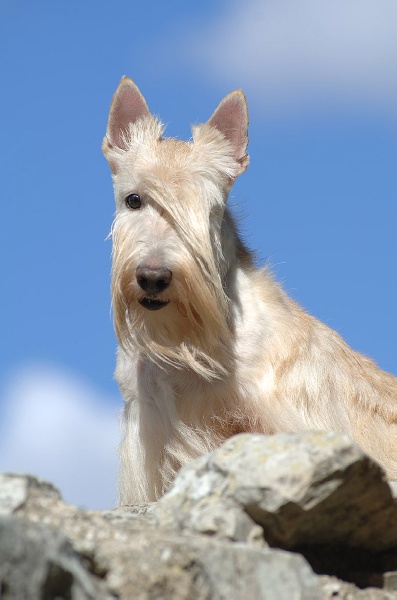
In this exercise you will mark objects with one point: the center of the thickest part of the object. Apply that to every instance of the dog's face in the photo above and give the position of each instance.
(170, 235)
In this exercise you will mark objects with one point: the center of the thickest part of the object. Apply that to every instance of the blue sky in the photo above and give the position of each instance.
(318, 200)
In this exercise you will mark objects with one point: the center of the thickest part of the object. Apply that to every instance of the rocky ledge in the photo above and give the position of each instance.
(290, 516)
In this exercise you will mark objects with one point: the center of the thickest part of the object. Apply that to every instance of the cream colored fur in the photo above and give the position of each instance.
(231, 351)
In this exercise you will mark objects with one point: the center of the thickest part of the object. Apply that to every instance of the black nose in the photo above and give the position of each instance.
(153, 281)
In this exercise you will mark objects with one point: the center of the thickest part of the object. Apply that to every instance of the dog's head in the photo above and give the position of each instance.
(173, 242)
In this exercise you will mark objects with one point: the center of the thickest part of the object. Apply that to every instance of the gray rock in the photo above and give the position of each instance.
(15, 491)
(312, 492)
(166, 565)
(236, 571)
(140, 510)
(304, 488)
(210, 515)
(39, 564)
(334, 589)
(390, 581)
(125, 554)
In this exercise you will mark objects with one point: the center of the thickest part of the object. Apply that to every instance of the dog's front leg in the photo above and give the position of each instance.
(150, 427)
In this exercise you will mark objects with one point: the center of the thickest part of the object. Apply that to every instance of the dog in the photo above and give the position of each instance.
(209, 344)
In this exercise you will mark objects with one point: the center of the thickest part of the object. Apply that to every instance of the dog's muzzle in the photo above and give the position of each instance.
(153, 281)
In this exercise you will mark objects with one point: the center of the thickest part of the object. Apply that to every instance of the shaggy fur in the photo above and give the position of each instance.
(227, 350)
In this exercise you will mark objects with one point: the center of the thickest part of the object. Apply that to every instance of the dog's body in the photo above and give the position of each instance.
(210, 345)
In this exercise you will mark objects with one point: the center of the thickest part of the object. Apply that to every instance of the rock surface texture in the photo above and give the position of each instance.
(289, 517)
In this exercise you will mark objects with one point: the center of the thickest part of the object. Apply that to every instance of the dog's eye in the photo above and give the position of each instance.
(133, 201)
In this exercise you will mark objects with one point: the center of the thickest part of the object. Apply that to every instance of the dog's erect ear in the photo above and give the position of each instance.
(128, 105)
(231, 119)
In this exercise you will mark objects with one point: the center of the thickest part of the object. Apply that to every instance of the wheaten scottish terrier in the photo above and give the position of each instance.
(209, 344)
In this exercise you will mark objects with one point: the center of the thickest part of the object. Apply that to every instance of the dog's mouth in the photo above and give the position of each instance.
(153, 303)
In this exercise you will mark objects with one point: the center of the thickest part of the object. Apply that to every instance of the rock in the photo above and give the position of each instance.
(131, 558)
(308, 488)
(40, 564)
(140, 510)
(390, 581)
(16, 490)
(158, 564)
(314, 493)
(334, 589)
(210, 515)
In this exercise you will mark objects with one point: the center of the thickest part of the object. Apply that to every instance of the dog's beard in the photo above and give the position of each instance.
(193, 331)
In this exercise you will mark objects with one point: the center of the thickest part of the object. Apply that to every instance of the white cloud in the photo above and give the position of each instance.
(58, 428)
(299, 54)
